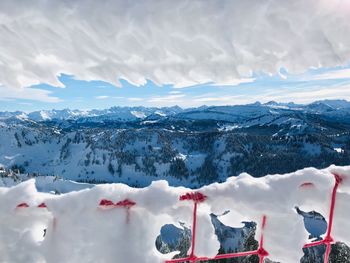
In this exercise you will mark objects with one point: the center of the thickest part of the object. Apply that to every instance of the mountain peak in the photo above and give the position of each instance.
(335, 104)
(271, 102)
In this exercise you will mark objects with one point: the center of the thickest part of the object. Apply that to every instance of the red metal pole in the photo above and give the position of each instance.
(194, 228)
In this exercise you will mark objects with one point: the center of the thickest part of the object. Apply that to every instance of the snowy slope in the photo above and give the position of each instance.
(190, 153)
(47, 184)
(192, 147)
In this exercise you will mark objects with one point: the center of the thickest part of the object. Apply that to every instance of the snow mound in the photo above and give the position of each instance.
(78, 229)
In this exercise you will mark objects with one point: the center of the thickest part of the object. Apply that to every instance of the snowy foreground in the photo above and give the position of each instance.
(79, 230)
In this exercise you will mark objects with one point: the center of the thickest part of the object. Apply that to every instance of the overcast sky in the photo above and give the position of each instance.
(96, 54)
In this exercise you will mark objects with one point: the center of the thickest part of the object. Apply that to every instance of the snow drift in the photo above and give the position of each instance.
(183, 43)
(80, 230)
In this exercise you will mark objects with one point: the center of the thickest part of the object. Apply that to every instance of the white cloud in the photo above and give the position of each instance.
(308, 96)
(301, 95)
(331, 75)
(175, 92)
(102, 97)
(225, 99)
(135, 99)
(227, 82)
(25, 103)
(282, 94)
(180, 42)
(235, 82)
(7, 93)
(168, 100)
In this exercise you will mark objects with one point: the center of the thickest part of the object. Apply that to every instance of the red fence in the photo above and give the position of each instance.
(261, 252)
(197, 198)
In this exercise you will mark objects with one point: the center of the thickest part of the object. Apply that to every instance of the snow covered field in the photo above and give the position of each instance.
(79, 230)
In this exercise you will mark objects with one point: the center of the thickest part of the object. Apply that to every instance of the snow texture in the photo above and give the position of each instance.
(78, 230)
(180, 42)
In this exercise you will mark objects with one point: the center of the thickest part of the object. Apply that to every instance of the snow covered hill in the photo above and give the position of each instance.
(190, 147)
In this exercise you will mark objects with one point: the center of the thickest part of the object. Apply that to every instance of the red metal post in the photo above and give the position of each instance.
(328, 240)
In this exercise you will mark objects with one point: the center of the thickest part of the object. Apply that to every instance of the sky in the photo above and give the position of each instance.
(84, 54)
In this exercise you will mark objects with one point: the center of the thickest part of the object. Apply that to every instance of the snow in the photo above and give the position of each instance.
(339, 150)
(47, 184)
(257, 114)
(229, 127)
(181, 156)
(160, 113)
(336, 104)
(149, 122)
(139, 114)
(79, 231)
(232, 236)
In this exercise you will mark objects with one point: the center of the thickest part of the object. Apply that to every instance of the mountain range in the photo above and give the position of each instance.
(229, 113)
(191, 147)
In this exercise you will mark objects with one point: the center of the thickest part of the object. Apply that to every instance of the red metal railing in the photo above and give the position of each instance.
(328, 240)
(261, 252)
(197, 198)
(127, 204)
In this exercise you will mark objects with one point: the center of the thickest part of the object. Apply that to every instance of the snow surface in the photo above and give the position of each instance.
(339, 150)
(47, 184)
(80, 231)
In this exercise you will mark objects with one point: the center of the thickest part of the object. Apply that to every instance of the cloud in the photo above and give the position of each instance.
(25, 103)
(312, 94)
(300, 94)
(217, 100)
(169, 100)
(178, 42)
(293, 92)
(228, 82)
(102, 97)
(135, 99)
(331, 75)
(175, 92)
(7, 93)
(235, 82)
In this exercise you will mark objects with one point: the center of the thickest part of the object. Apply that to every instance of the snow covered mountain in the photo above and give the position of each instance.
(225, 113)
(114, 113)
(189, 147)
